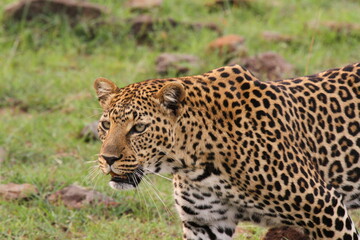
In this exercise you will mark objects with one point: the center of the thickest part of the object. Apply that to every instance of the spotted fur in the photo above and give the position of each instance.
(274, 153)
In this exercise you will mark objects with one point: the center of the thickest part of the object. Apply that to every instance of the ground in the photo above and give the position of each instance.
(46, 98)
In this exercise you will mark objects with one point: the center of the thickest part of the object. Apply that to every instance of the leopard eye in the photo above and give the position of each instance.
(105, 125)
(139, 128)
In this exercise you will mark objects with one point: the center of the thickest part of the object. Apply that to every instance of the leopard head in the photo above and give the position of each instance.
(137, 129)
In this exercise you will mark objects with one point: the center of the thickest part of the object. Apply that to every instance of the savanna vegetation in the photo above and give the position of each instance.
(47, 68)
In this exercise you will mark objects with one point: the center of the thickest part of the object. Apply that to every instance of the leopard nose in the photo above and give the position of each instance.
(110, 160)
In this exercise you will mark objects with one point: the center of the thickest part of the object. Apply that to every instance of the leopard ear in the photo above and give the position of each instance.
(171, 96)
(104, 89)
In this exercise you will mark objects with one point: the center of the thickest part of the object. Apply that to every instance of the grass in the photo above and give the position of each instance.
(46, 97)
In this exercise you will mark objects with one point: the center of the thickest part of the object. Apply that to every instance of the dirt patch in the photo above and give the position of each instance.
(13, 191)
(276, 37)
(76, 197)
(178, 63)
(266, 66)
(281, 233)
(74, 10)
(229, 44)
(143, 5)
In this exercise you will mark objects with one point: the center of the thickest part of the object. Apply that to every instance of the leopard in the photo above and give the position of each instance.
(273, 153)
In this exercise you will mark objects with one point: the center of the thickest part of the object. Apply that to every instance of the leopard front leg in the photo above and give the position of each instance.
(203, 215)
(329, 220)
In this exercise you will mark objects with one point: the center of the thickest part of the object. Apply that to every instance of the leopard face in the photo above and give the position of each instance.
(285, 152)
(137, 131)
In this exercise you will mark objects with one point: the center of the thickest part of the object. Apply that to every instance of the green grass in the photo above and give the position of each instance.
(46, 97)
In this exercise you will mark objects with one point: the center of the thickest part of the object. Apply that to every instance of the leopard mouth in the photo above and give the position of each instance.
(126, 181)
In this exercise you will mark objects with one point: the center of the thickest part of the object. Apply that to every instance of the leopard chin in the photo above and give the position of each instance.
(125, 182)
(121, 186)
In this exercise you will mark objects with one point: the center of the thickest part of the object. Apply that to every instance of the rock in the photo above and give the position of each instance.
(276, 37)
(144, 25)
(143, 4)
(76, 197)
(90, 132)
(179, 63)
(281, 233)
(338, 27)
(342, 26)
(3, 154)
(227, 44)
(73, 9)
(266, 66)
(12, 191)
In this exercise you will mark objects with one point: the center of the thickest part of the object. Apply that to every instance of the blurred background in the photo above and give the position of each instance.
(52, 51)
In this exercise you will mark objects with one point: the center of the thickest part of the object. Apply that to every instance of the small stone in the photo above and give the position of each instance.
(268, 65)
(13, 191)
(281, 233)
(3, 154)
(76, 197)
(90, 132)
(226, 44)
(178, 63)
(73, 9)
(276, 37)
(143, 4)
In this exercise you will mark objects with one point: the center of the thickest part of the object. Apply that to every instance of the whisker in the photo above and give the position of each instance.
(157, 194)
(152, 199)
(95, 108)
(157, 174)
(96, 178)
(93, 161)
(113, 191)
(92, 172)
(140, 194)
(93, 115)
(93, 167)
(156, 191)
